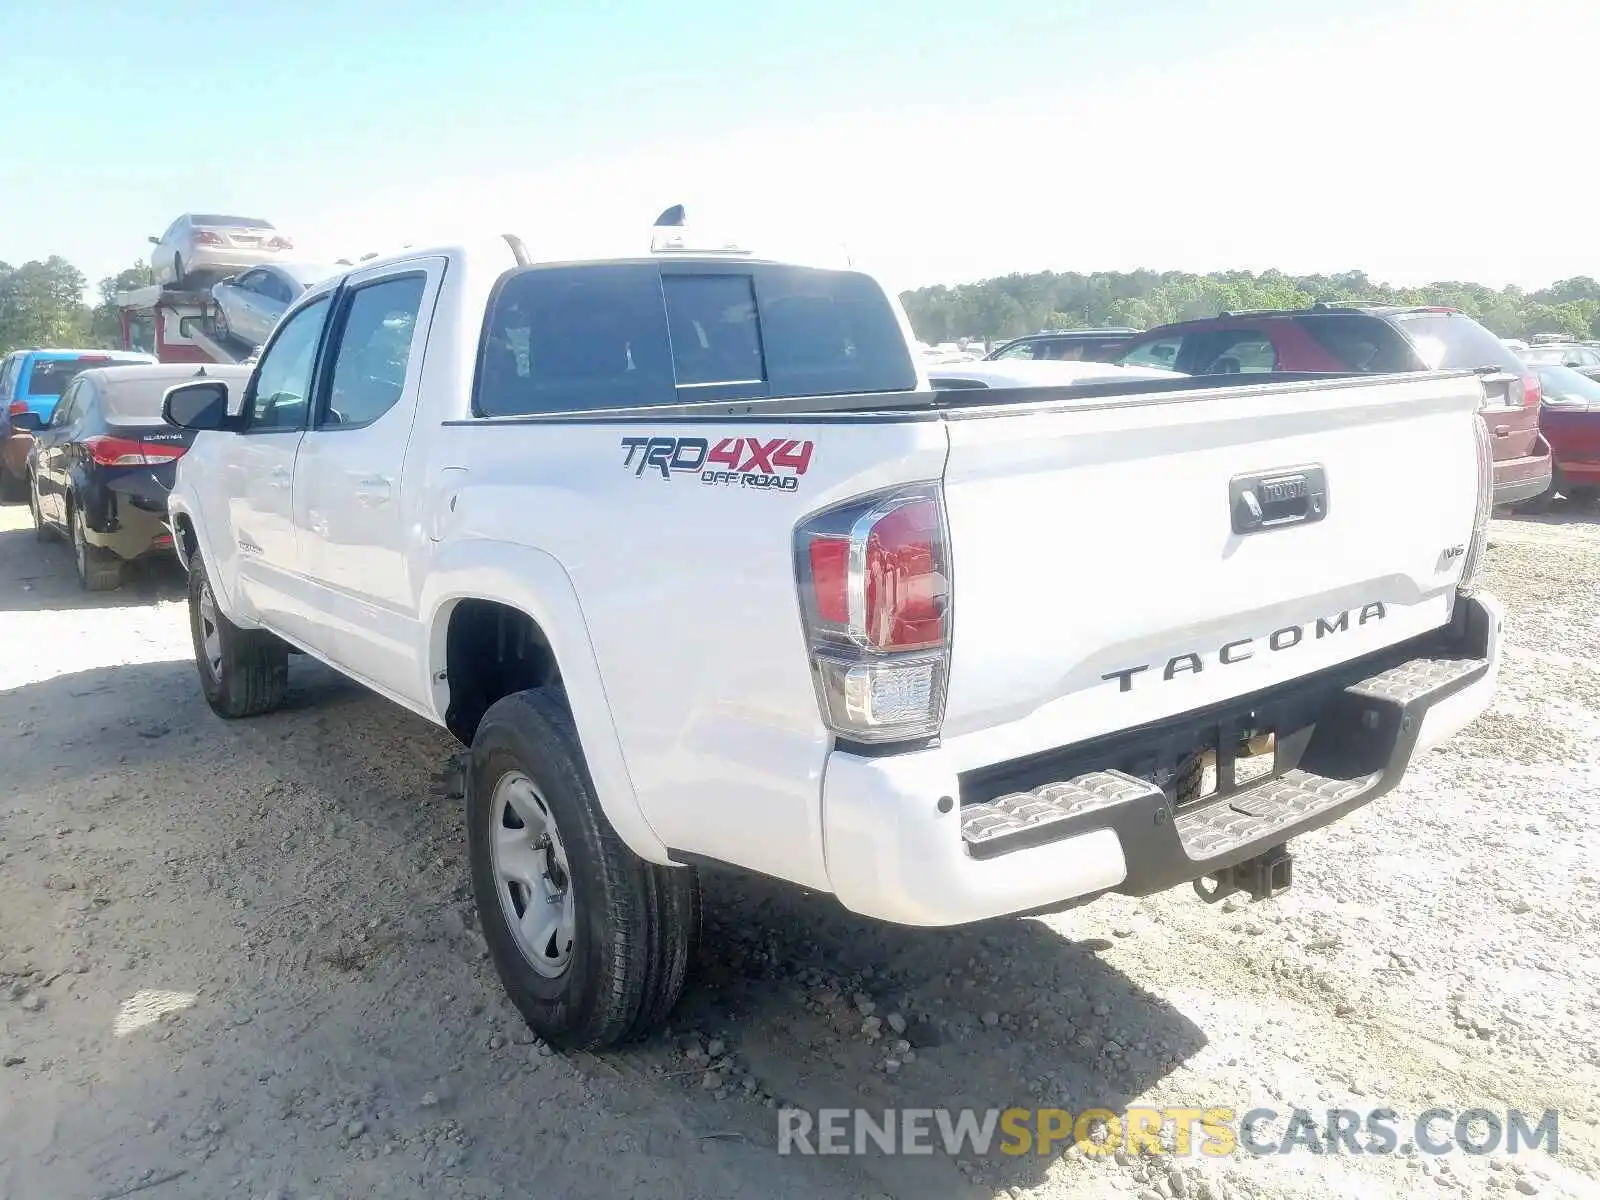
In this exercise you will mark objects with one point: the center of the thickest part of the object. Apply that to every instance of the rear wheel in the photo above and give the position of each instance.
(243, 672)
(591, 942)
(99, 570)
(1583, 496)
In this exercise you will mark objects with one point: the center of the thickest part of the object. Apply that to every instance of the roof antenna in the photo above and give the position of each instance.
(673, 217)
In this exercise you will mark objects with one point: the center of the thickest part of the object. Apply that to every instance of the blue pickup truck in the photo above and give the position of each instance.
(31, 381)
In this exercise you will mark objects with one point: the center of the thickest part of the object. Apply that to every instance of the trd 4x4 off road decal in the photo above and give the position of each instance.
(774, 464)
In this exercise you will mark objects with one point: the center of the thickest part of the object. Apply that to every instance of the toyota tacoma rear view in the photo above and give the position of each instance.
(689, 554)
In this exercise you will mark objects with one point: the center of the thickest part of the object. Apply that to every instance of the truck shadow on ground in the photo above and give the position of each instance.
(322, 895)
(36, 576)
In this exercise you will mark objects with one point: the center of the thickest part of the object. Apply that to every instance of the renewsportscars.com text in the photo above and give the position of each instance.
(1213, 1132)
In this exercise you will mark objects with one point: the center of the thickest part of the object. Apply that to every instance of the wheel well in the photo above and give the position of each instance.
(187, 542)
(491, 650)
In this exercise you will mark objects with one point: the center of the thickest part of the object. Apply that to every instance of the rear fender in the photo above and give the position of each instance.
(533, 582)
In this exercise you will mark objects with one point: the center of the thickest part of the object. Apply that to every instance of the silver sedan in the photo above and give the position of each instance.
(249, 305)
(199, 248)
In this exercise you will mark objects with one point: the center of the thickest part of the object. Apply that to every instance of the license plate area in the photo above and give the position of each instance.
(1232, 758)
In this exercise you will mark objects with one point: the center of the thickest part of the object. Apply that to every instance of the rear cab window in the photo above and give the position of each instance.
(635, 334)
(50, 376)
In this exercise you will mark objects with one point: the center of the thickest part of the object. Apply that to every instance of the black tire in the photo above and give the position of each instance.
(98, 569)
(41, 531)
(1584, 496)
(12, 489)
(634, 922)
(219, 326)
(251, 675)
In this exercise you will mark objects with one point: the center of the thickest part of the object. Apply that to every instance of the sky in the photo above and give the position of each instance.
(1416, 140)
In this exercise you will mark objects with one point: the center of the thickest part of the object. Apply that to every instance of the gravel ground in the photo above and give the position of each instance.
(240, 960)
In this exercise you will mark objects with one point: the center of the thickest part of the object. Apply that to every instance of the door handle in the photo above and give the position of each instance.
(372, 491)
(1502, 431)
(279, 477)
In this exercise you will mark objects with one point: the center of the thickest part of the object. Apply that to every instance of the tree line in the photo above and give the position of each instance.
(42, 302)
(1018, 304)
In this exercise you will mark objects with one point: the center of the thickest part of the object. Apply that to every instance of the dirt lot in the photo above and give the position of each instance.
(240, 960)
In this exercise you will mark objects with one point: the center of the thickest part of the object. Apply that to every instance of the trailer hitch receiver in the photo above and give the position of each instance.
(1266, 875)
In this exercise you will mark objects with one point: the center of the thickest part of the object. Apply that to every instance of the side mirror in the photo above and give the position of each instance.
(202, 405)
(26, 422)
(154, 241)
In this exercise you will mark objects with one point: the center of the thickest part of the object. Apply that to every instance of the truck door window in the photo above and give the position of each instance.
(283, 377)
(372, 351)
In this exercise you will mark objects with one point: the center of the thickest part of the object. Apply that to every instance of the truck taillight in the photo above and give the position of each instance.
(280, 243)
(874, 582)
(1472, 566)
(17, 408)
(129, 452)
(1532, 391)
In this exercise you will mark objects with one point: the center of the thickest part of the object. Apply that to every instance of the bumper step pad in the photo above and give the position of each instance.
(1371, 727)
(1027, 814)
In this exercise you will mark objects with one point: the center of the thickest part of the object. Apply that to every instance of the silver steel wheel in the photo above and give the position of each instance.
(210, 635)
(531, 875)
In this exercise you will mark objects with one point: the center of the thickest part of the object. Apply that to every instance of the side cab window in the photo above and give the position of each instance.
(67, 410)
(371, 349)
(278, 396)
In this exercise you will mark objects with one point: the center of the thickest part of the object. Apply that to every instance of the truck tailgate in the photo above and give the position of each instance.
(1105, 568)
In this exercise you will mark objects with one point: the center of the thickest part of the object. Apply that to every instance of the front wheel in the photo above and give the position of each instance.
(243, 672)
(591, 942)
(219, 323)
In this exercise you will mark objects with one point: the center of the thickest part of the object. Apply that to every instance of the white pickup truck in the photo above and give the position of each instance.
(690, 554)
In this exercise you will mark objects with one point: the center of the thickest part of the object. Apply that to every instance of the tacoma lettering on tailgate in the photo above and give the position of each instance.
(1195, 661)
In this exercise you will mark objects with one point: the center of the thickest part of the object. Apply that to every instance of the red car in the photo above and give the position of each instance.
(1371, 338)
(1571, 423)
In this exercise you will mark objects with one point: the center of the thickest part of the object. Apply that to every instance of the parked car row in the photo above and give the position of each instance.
(100, 468)
(1344, 339)
(31, 382)
(1371, 339)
